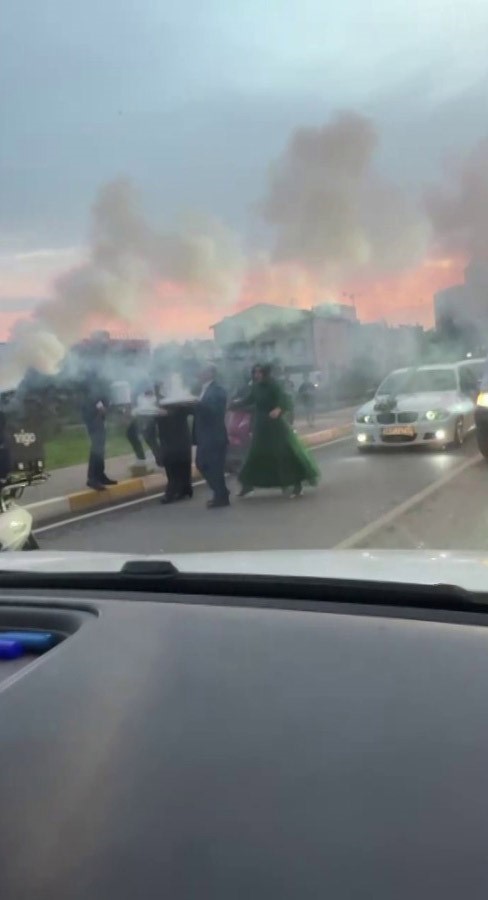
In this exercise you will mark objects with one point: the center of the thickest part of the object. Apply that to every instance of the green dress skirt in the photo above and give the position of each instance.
(277, 457)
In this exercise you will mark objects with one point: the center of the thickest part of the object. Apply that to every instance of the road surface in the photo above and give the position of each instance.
(370, 500)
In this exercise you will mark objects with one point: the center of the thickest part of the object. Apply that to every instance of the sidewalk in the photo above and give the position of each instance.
(65, 490)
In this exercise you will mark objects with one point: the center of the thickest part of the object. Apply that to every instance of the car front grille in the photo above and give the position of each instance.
(386, 418)
(390, 418)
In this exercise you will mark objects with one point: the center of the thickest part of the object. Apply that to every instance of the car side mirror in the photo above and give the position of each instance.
(370, 393)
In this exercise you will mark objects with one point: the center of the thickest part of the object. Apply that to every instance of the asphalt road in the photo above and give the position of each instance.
(355, 493)
(452, 518)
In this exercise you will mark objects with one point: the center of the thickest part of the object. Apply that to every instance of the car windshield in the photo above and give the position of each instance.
(420, 381)
(222, 226)
(483, 375)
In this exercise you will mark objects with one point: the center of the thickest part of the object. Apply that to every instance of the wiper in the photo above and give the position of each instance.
(153, 579)
(136, 574)
(141, 567)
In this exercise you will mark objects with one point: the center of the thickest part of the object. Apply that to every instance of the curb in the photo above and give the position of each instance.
(83, 501)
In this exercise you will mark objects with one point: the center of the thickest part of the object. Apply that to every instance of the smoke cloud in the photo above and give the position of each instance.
(31, 347)
(331, 212)
(335, 226)
(202, 255)
(128, 257)
(459, 207)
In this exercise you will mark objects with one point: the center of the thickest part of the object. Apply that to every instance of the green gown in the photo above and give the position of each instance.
(277, 457)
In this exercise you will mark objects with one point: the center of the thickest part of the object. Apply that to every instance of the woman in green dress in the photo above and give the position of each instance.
(277, 457)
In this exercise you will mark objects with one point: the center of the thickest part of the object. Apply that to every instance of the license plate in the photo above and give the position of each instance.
(404, 430)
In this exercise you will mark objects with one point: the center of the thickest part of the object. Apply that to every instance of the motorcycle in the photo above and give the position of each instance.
(16, 521)
(21, 466)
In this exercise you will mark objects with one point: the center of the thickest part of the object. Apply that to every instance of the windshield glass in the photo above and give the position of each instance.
(421, 381)
(484, 377)
(222, 226)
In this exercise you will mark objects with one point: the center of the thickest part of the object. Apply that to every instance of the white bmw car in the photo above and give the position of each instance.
(421, 405)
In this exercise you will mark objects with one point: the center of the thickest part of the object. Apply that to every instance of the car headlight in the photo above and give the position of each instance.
(433, 415)
(364, 419)
(482, 399)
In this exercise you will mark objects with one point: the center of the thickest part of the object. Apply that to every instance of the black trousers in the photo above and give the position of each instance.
(211, 463)
(178, 473)
(96, 461)
(133, 436)
(150, 435)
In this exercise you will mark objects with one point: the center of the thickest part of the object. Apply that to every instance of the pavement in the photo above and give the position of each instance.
(65, 493)
(397, 497)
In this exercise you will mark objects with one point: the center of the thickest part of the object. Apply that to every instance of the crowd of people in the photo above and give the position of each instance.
(275, 456)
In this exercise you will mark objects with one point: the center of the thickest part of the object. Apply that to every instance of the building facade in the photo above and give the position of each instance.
(465, 306)
(327, 342)
(296, 341)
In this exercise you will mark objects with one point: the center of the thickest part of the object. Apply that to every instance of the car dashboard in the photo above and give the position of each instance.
(221, 746)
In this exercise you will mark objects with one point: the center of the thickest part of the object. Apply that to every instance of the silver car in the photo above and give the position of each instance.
(422, 405)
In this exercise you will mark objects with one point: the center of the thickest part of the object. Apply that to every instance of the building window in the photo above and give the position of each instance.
(268, 350)
(239, 352)
(296, 347)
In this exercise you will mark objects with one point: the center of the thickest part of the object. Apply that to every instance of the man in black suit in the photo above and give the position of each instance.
(210, 436)
(94, 407)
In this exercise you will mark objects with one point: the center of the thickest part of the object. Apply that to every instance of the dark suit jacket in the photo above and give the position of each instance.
(174, 434)
(209, 429)
(95, 391)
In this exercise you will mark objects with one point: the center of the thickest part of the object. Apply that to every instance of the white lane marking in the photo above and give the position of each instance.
(146, 498)
(387, 518)
(44, 502)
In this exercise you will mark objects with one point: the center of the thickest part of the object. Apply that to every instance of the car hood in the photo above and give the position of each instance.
(429, 567)
(414, 402)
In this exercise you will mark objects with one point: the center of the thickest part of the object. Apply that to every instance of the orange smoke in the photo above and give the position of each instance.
(174, 312)
(401, 298)
(8, 320)
(407, 298)
(281, 285)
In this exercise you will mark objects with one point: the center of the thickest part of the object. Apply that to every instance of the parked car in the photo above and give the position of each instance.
(433, 404)
(476, 367)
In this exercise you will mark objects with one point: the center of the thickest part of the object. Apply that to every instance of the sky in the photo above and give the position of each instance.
(194, 101)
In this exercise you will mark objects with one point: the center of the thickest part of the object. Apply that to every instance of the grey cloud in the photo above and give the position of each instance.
(330, 210)
(18, 304)
(190, 109)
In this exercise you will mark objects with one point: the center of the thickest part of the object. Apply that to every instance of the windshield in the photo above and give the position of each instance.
(422, 381)
(222, 226)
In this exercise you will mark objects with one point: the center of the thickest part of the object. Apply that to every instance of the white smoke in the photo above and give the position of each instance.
(332, 219)
(459, 207)
(206, 258)
(331, 212)
(31, 347)
(128, 257)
